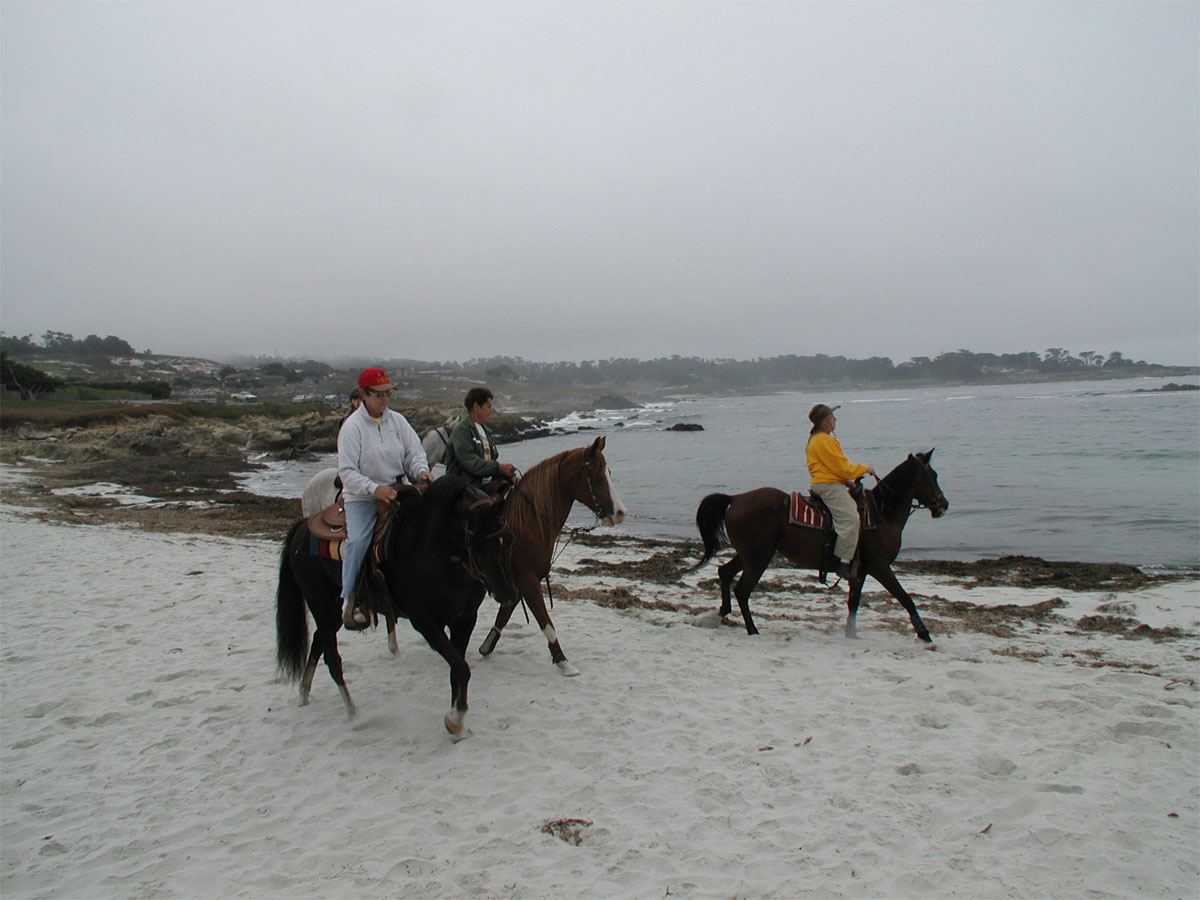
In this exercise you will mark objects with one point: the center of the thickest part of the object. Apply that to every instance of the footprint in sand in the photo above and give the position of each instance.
(991, 764)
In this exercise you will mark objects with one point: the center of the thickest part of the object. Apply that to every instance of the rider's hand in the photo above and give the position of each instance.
(508, 470)
(425, 478)
(871, 471)
(386, 493)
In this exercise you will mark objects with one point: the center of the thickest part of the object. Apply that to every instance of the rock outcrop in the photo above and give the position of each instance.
(300, 437)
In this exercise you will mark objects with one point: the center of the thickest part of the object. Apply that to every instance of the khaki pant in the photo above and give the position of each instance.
(845, 516)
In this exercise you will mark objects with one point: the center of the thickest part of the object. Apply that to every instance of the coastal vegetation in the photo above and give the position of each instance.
(819, 369)
(108, 370)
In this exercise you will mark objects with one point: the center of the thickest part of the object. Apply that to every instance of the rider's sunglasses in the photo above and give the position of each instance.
(375, 393)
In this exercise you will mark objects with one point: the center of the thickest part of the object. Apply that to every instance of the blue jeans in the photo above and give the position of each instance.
(360, 525)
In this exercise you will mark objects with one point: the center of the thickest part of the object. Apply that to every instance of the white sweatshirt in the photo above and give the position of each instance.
(373, 452)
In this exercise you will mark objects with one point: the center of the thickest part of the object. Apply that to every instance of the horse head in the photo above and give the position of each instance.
(598, 493)
(926, 491)
(489, 542)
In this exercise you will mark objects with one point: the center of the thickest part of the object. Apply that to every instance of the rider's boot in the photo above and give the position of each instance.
(847, 570)
(353, 618)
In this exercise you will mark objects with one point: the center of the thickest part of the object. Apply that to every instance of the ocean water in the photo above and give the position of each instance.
(1091, 471)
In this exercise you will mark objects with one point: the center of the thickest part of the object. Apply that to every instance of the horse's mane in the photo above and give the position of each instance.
(539, 495)
(893, 486)
(426, 516)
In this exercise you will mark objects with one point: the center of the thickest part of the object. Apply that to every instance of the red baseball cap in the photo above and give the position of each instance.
(374, 378)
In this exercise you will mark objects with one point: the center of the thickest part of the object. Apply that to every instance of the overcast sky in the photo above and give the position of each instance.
(570, 181)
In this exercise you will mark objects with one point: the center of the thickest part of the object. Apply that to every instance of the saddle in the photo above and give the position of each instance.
(330, 523)
(327, 530)
(811, 512)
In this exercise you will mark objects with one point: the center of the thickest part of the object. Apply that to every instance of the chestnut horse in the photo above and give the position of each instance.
(756, 524)
(536, 511)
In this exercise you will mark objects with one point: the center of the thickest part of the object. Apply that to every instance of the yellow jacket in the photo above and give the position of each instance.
(827, 461)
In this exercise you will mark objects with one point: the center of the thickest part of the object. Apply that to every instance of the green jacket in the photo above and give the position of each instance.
(467, 449)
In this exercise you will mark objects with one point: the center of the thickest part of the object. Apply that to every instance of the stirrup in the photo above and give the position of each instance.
(355, 619)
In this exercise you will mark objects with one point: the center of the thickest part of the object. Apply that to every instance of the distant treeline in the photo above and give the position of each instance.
(960, 365)
(31, 383)
(60, 342)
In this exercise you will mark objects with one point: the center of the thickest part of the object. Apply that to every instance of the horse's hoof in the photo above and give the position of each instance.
(565, 667)
(453, 722)
(489, 642)
(930, 646)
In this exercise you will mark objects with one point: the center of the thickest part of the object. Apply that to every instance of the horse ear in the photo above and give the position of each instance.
(929, 455)
(597, 446)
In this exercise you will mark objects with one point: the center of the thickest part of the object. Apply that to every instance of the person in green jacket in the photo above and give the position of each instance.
(472, 445)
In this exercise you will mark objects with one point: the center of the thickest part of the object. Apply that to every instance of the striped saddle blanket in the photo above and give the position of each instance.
(324, 548)
(322, 544)
(804, 511)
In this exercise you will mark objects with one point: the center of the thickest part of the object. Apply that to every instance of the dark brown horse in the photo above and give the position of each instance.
(447, 546)
(756, 524)
(536, 510)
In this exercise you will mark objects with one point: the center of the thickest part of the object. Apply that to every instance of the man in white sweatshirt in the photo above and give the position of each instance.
(376, 446)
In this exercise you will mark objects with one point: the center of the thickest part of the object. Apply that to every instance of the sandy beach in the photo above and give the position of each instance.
(1049, 747)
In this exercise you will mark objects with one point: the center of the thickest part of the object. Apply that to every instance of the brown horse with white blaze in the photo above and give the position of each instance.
(756, 524)
(536, 510)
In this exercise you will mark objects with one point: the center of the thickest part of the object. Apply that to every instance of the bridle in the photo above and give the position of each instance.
(588, 478)
(561, 544)
(470, 563)
(913, 502)
(594, 506)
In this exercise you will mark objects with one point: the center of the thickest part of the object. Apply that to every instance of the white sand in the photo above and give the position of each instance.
(149, 751)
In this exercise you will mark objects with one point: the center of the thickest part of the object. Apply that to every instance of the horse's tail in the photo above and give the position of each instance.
(291, 619)
(710, 519)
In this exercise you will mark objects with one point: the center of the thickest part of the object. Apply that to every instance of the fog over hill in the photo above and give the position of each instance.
(62, 363)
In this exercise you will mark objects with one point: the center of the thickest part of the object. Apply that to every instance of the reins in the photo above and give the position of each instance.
(559, 544)
(469, 563)
(913, 503)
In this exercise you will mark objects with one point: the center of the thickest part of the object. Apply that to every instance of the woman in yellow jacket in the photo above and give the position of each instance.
(831, 474)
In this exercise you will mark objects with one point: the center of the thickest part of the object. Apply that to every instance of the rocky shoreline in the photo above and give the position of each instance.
(185, 468)
(183, 472)
(172, 476)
